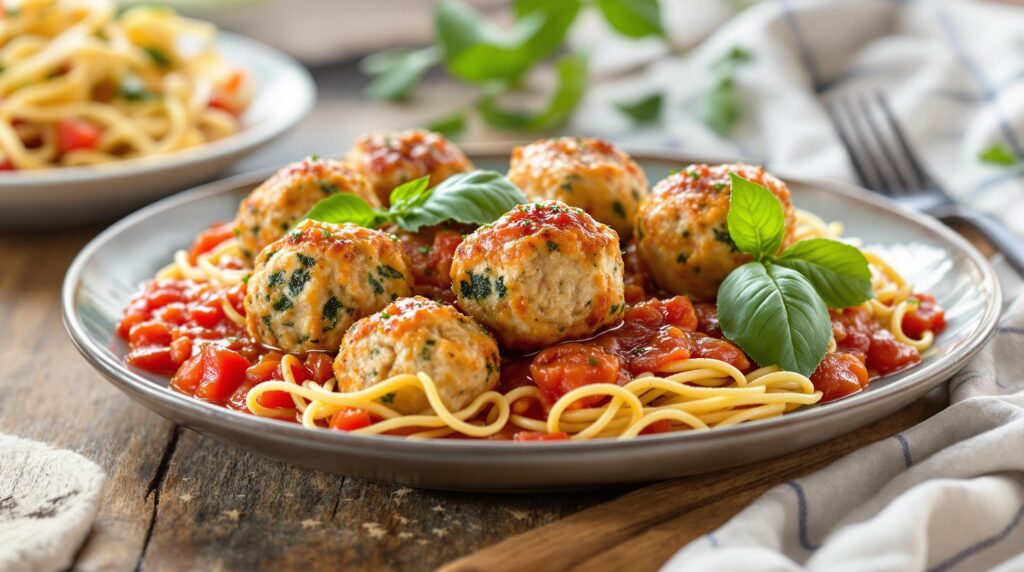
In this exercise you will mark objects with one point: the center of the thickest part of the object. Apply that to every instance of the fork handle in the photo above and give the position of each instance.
(1004, 239)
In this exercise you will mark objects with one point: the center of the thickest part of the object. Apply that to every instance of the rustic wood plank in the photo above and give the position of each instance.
(642, 529)
(52, 395)
(220, 508)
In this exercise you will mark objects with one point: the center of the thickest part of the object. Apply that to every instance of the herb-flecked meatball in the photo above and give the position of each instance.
(416, 335)
(542, 273)
(273, 207)
(308, 287)
(390, 159)
(682, 232)
(591, 174)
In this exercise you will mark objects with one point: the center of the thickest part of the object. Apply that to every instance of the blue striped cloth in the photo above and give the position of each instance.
(953, 73)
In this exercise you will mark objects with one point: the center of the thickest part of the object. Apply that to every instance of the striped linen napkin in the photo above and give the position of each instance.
(952, 71)
(945, 495)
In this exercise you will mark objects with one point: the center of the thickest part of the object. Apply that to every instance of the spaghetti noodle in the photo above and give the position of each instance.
(82, 85)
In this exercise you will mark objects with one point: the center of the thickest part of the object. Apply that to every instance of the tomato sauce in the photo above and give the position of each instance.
(179, 328)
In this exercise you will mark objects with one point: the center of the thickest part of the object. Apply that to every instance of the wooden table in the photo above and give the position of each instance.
(175, 499)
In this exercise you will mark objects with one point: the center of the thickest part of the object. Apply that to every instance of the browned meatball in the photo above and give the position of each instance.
(273, 207)
(682, 233)
(390, 159)
(307, 288)
(542, 273)
(588, 173)
(415, 335)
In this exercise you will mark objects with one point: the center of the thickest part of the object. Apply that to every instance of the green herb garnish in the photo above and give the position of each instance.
(775, 308)
(477, 197)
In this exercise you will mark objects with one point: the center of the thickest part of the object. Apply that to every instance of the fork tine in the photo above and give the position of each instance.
(921, 178)
(886, 156)
(852, 141)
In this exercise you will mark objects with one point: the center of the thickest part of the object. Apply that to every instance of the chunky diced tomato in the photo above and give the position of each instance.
(150, 334)
(276, 399)
(676, 311)
(565, 367)
(666, 345)
(208, 239)
(350, 419)
(927, 316)
(852, 329)
(153, 358)
(533, 436)
(7, 165)
(74, 134)
(887, 355)
(320, 366)
(212, 375)
(714, 348)
(838, 375)
(266, 368)
(206, 316)
(181, 349)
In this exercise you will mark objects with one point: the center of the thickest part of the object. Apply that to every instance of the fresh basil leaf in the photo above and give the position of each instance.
(839, 272)
(340, 208)
(476, 197)
(572, 79)
(734, 58)
(409, 195)
(396, 72)
(633, 18)
(756, 221)
(644, 109)
(477, 52)
(451, 125)
(720, 108)
(998, 154)
(775, 315)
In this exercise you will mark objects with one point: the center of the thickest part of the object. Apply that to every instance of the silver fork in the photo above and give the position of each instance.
(885, 163)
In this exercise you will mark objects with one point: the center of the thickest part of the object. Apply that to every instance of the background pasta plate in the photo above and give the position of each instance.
(61, 196)
(107, 272)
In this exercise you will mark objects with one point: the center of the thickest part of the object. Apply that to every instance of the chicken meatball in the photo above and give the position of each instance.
(273, 207)
(540, 274)
(591, 174)
(416, 335)
(390, 159)
(308, 287)
(682, 233)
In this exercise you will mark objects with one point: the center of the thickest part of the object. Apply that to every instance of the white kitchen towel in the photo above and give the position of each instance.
(953, 73)
(945, 495)
(48, 500)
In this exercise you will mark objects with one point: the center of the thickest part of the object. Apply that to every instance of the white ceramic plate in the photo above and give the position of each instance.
(63, 196)
(107, 272)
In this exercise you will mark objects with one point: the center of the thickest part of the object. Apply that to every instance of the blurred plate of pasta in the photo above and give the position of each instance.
(103, 111)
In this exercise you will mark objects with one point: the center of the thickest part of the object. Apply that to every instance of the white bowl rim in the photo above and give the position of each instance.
(248, 137)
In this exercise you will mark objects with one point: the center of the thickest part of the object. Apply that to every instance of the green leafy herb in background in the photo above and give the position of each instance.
(476, 197)
(776, 307)
(643, 110)
(998, 154)
(475, 51)
(720, 108)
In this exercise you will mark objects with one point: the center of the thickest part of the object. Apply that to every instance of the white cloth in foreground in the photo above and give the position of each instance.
(48, 500)
(945, 495)
(953, 73)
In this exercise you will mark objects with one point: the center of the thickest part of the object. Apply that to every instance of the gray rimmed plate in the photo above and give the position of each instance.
(63, 196)
(109, 270)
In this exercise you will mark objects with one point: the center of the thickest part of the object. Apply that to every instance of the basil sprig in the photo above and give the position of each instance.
(775, 308)
(476, 197)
